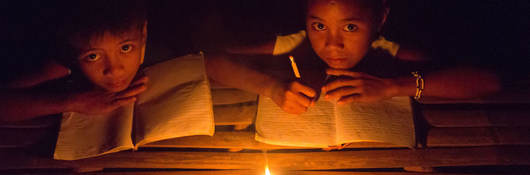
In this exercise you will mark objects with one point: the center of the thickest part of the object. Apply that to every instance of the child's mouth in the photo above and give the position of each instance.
(336, 61)
(117, 84)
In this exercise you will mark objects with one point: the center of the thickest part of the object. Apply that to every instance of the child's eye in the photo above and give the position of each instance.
(351, 28)
(126, 48)
(318, 26)
(92, 57)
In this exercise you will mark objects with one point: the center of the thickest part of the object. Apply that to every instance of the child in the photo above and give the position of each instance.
(102, 46)
(341, 33)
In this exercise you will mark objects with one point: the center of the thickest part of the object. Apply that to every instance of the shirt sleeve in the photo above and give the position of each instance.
(388, 46)
(287, 43)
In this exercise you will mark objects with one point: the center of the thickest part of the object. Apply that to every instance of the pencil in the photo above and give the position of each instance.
(295, 68)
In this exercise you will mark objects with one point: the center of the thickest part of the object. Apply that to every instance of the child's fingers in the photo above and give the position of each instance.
(342, 92)
(298, 87)
(132, 91)
(294, 108)
(122, 102)
(340, 72)
(142, 80)
(341, 83)
(53, 70)
(299, 98)
(349, 99)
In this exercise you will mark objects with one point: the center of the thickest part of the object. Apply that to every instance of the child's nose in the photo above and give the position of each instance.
(113, 67)
(334, 40)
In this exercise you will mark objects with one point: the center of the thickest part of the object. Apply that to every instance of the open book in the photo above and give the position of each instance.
(177, 103)
(327, 124)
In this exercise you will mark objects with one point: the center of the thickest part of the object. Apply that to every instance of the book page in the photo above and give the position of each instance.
(82, 136)
(388, 121)
(314, 128)
(178, 101)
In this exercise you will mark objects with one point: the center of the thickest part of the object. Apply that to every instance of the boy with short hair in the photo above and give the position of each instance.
(340, 34)
(101, 48)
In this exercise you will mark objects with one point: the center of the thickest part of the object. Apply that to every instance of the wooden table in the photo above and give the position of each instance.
(492, 136)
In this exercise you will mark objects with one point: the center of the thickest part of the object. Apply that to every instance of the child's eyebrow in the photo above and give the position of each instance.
(128, 40)
(351, 19)
(315, 17)
(90, 49)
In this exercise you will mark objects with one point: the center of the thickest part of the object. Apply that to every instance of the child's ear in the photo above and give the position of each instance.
(144, 39)
(144, 31)
(386, 11)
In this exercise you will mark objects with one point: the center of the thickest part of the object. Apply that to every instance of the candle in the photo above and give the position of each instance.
(267, 171)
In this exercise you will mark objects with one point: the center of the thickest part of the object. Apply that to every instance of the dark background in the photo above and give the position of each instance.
(487, 33)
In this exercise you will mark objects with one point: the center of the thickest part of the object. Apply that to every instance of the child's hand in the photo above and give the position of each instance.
(357, 87)
(53, 70)
(295, 98)
(100, 101)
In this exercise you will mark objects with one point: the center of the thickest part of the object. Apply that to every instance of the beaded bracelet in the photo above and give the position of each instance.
(420, 85)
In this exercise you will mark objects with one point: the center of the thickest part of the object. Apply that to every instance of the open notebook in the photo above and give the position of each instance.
(327, 124)
(177, 103)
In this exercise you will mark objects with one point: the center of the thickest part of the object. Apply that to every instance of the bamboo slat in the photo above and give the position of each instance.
(235, 114)
(22, 137)
(232, 96)
(239, 139)
(477, 117)
(480, 136)
(257, 172)
(521, 95)
(386, 158)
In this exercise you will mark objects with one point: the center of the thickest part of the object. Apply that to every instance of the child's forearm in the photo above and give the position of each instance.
(230, 73)
(17, 105)
(49, 71)
(458, 83)
(265, 48)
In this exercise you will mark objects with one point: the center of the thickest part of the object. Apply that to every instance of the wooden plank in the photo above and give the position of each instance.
(257, 172)
(520, 95)
(239, 139)
(39, 122)
(250, 172)
(433, 157)
(232, 96)
(456, 118)
(235, 114)
(513, 136)
(484, 136)
(477, 117)
(436, 137)
(519, 117)
(40, 172)
(22, 137)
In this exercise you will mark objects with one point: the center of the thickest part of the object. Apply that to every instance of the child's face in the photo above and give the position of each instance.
(111, 61)
(340, 31)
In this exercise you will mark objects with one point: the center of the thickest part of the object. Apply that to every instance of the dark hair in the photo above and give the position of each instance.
(377, 7)
(82, 20)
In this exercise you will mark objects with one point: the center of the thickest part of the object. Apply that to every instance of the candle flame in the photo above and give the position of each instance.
(267, 171)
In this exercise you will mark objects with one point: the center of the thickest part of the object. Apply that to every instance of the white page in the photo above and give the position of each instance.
(83, 136)
(388, 121)
(177, 103)
(314, 128)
